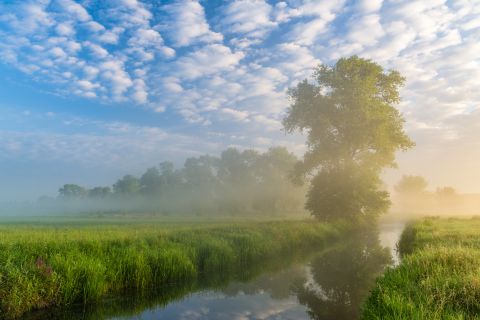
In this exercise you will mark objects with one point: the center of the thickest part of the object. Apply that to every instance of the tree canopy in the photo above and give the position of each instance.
(353, 131)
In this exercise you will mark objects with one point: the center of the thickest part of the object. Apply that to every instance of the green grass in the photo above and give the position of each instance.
(45, 265)
(438, 278)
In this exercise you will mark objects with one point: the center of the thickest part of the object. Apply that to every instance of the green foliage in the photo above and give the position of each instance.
(128, 185)
(99, 192)
(411, 185)
(407, 240)
(42, 266)
(151, 181)
(438, 277)
(72, 191)
(346, 192)
(351, 123)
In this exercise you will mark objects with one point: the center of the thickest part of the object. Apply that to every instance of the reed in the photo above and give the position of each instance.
(60, 265)
(439, 275)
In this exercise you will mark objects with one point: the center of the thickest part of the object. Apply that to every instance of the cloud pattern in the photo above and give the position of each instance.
(227, 67)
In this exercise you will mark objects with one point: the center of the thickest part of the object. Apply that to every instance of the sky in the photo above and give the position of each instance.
(91, 90)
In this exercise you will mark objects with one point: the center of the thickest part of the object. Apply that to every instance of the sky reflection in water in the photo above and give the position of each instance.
(331, 284)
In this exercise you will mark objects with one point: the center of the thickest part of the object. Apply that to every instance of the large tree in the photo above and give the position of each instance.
(353, 131)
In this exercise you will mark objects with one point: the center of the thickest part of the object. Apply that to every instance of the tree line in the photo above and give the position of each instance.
(236, 182)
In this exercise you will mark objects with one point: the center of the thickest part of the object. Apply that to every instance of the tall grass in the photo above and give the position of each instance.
(59, 265)
(439, 277)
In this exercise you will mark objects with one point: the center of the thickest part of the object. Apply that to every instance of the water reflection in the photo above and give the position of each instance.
(339, 280)
(331, 284)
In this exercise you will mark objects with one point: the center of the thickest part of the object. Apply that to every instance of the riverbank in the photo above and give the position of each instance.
(438, 277)
(58, 265)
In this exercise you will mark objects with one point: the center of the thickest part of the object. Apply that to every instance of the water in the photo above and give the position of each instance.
(331, 284)
(389, 235)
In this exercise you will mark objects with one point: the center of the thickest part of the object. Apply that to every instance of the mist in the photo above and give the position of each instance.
(414, 197)
(237, 183)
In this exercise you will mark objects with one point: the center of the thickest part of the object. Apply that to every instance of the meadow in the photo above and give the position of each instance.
(67, 262)
(439, 276)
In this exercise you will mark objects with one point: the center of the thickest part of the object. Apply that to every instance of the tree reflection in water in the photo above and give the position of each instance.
(340, 279)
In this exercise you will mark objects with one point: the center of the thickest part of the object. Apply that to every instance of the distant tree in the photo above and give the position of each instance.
(201, 172)
(448, 199)
(201, 183)
(276, 192)
(171, 179)
(446, 192)
(128, 185)
(151, 182)
(72, 191)
(235, 167)
(237, 180)
(411, 185)
(99, 192)
(353, 131)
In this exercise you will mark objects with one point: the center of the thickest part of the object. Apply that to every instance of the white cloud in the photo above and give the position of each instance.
(237, 115)
(206, 61)
(250, 19)
(145, 37)
(113, 71)
(369, 6)
(358, 25)
(110, 36)
(90, 72)
(140, 94)
(172, 84)
(58, 52)
(72, 46)
(31, 18)
(65, 29)
(94, 26)
(107, 144)
(75, 9)
(283, 13)
(87, 85)
(307, 33)
(130, 13)
(186, 24)
(316, 19)
(97, 50)
(268, 123)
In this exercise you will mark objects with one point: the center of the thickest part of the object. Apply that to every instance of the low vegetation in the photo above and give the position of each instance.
(439, 275)
(59, 264)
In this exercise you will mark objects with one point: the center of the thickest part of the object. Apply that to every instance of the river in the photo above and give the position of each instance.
(331, 284)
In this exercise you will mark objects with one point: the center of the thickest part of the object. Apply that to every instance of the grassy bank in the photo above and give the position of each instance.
(439, 277)
(60, 264)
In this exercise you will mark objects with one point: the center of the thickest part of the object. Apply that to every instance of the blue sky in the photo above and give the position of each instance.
(90, 90)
